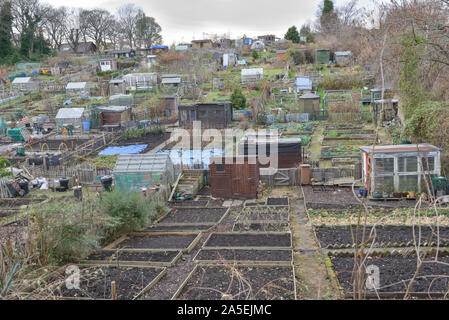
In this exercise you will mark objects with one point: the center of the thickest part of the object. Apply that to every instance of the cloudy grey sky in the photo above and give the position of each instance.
(184, 20)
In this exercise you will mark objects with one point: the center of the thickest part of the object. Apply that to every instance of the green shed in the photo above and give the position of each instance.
(322, 56)
(136, 171)
(309, 103)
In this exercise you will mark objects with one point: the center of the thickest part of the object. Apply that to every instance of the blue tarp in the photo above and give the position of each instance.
(112, 151)
(193, 158)
(159, 47)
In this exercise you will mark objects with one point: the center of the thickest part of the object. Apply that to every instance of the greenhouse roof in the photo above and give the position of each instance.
(155, 162)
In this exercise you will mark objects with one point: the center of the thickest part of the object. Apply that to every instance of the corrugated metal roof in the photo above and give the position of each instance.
(309, 96)
(76, 85)
(70, 113)
(171, 80)
(20, 80)
(154, 162)
(424, 147)
(114, 108)
(252, 72)
(343, 53)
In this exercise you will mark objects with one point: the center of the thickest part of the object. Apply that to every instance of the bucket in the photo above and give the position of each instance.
(106, 181)
(24, 186)
(64, 184)
(86, 125)
(78, 193)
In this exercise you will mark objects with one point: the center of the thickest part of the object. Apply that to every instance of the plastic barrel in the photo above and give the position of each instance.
(64, 184)
(86, 125)
(24, 186)
(78, 193)
(106, 181)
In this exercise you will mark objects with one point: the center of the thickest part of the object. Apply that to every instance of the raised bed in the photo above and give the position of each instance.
(242, 256)
(386, 236)
(176, 228)
(284, 201)
(240, 283)
(261, 226)
(249, 240)
(95, 282)
(10, 207)
(144, 258)
(157, 241)
(395, 272)
(194, 216)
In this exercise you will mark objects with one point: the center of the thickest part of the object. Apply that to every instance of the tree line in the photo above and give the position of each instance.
(30, 29)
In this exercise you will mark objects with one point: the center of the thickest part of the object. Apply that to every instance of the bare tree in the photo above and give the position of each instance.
(148, 31)
(55, 20)
(97, 22)
(127, 17)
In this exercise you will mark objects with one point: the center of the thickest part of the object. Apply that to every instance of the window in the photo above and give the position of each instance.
(219, 113)
(408, 183)
(192, 115)
(184, 115)
(383, 165)
(219, 168)
(408, 164)
(203, 114)
(428, 163)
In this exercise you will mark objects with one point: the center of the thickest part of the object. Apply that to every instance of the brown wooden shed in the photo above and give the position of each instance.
(115, 115)
(234, 177)
(213, 115)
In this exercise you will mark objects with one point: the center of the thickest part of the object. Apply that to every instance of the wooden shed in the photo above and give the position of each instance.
(322, 56)
(199, 44)
(117, 86)
(116, 116)
(213, 115)
(309, 103)
(234, 177)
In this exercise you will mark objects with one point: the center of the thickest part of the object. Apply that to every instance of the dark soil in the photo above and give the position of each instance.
(95, 282)
(330, 206)
(245, 255)
(249, 240)
(396, 272)
(158, 228)
(215, 203)
(264, 217)
(264, 227)
(277, 201)
(388, 235)
(205, 191)
(262, 283)
(196, 204)
(158, 242)
(163, 256)
(152, 140)
(185, 215)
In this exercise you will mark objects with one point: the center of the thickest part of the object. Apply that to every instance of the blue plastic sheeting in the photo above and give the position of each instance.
(112, 151)
(66, 103)
(193, 158)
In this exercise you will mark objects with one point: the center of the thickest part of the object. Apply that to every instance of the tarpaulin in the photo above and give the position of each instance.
(134, 149)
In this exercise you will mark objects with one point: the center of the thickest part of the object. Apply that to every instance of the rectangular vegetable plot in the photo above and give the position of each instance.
(162, 241)
(132, 256)
(194, 216)
(395, 273)
(264, 227)
(278, 201)
(176, 228)
(95, 282)
(194, 204)
(240, 283)
(261, 217)
(393, 236)
(224, 255)
(249, 240)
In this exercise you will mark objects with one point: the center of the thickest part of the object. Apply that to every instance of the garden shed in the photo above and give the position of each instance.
(213, 115)
(170, 105)
(133, 172)
(116, 116)
(199, 44)
(234, 177)
(309, 103)
(343, 58)
(134, 80)
(399, 168)
(78, 89)
(117, 86)
(107, 65)
(252, 75)
(322, 56)
(24, 84)
(72, 116)
(287, 152)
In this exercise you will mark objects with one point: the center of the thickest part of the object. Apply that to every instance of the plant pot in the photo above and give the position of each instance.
(397, 195)
(376, 195)
(411, 194)
(385, 196)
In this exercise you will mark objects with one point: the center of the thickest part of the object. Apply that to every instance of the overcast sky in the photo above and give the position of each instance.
(184, 20)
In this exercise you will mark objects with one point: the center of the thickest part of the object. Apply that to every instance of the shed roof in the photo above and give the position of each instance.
(114, 108)
(117, 81)
(342, 53)
(303, 83)
(76, 85)
(424, 147)
(154, 162)
(309, 96)
(171, 80)
(252, 71)
(70, 113)
(20, 80)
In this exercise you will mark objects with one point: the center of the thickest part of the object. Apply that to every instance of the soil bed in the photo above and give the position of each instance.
(244, 255)
(149, 256)
(385, 235)
(262, 283)
(192, 216)
(158, 242)
(277, 201)
(152, 140)
(158, 228)
(281, 217)
(396, 272)
(281, 240)
(264, 227)
(95, 282)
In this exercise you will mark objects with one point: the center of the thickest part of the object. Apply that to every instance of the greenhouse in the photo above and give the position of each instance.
(133, 172)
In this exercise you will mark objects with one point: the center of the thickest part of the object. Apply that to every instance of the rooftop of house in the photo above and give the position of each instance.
(401, 148)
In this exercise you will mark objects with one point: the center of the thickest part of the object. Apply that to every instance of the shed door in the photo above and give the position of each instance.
(242, 180)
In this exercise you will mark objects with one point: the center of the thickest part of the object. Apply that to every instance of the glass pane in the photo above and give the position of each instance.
(408, 183)
(383, 165)
(428, 163)
(408, 164)
(384, 184)
(203, 114)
